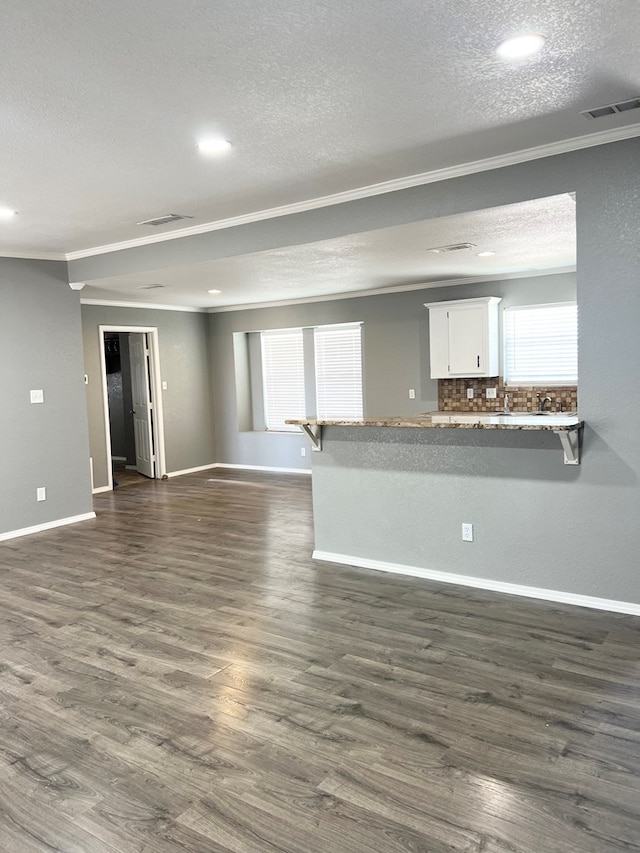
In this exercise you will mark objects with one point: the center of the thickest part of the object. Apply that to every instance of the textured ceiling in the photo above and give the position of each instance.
(103, 101)
(531, 236)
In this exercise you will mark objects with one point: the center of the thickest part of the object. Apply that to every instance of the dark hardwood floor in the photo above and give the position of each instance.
(123, 476)
(179, 676)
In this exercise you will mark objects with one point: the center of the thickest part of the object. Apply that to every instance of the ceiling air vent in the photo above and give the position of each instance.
(165, 220)
(456, 247)
(612, 109)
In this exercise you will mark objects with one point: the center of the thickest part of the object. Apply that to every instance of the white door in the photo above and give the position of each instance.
(142, 407)
(466, 340)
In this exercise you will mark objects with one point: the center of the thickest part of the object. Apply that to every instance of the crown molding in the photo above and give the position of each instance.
(34, 256)
(524, 155)
(401, 288)
(449, 172)
(112, 303)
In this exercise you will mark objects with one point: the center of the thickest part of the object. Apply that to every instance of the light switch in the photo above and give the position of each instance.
(164, 386)
(41, 493)
(37, 396)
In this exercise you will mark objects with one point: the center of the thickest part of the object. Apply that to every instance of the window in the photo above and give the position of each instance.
(541, 344)
(331, 385)
(283, 378)
(338, 362)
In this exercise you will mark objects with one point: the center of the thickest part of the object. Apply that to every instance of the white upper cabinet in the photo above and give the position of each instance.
(464, 338)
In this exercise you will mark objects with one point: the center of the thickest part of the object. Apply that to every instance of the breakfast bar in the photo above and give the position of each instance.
(566, 425)
(395, 494)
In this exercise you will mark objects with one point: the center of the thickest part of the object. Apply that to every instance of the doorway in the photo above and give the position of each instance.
(134, 426)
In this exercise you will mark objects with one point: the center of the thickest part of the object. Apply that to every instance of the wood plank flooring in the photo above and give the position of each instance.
(179, 677)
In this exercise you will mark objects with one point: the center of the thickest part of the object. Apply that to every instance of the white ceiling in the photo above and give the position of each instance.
(103, 101)
(533, 236)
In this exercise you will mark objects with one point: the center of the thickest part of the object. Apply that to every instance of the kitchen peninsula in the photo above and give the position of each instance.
(391, 493)
(566, 425)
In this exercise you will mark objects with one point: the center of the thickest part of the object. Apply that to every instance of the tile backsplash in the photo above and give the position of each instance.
(452, 396)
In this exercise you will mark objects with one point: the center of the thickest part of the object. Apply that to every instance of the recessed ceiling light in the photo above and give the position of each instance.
(213, 145)
(485, 254)
(7, 213)
(520, 46)
(214, 291)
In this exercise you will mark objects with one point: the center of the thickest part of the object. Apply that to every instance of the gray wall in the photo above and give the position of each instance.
(184, 365)
(41, 348)
(395, 356)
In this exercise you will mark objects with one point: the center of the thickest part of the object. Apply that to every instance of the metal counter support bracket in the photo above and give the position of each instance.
(315, 434)
(570, 441)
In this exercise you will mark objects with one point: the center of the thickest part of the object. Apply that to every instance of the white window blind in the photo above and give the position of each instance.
(283, 378)
(541, 345)
(338, 362)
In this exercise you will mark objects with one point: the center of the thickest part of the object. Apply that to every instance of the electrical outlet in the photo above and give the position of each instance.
(37, 396)
(492, 393)
(469, 393)
(303, 451)
(41, 493)
(467, 532)
(412, 393)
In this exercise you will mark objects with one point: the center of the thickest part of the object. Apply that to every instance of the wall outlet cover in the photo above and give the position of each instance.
(467, 532)
(412, 393)
(469, 393)
(37, 396)
(41, 493)
(492, 393)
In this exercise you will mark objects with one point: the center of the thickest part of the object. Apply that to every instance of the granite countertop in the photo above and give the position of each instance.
(460, 420)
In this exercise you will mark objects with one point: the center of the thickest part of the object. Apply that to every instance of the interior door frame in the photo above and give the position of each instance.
(156, 396)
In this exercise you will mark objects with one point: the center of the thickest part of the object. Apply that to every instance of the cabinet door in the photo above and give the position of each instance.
(467, 337)
(439, 342)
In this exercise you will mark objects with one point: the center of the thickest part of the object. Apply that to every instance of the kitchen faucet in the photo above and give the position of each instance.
(542, 402)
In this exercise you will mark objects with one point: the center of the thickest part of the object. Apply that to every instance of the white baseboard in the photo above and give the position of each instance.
(119, 458)
(191, 470)
(263, 468)
(48, 525)
(239, 467)
(100, 489)
(483, 583)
